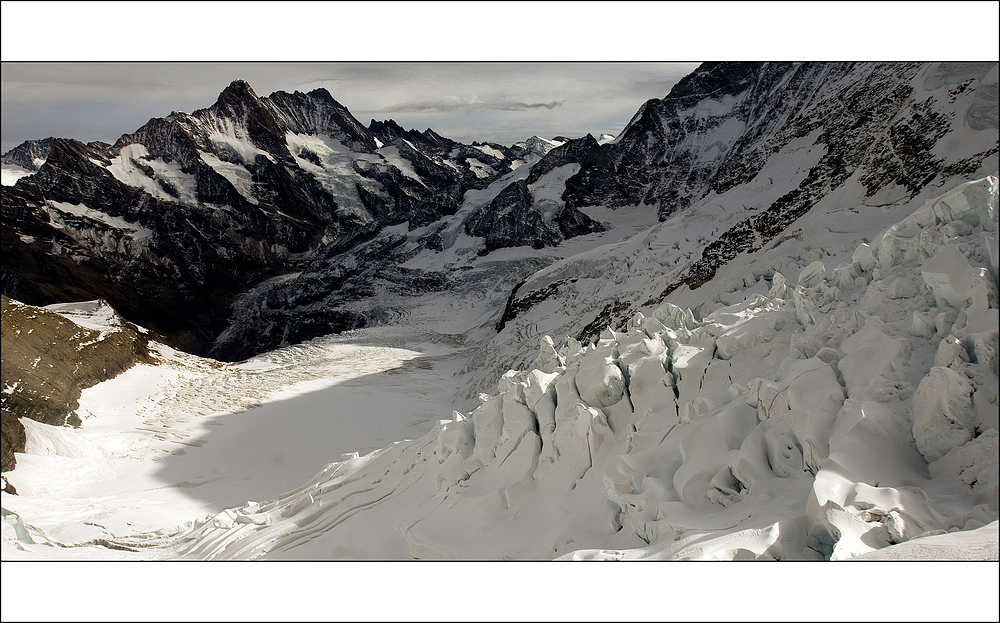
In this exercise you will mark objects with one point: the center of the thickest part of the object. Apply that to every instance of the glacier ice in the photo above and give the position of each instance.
(943, 417)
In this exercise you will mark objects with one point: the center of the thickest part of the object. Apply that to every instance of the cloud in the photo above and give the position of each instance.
(518, 106)
(467, 103)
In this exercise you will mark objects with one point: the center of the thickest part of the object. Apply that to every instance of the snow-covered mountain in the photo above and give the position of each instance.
(759, 323)
(176, 220)
(260, 222)
(24, 159)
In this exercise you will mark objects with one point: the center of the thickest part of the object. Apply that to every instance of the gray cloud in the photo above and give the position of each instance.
(517, 106)
(468, 103)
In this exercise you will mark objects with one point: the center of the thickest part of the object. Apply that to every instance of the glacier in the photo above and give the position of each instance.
(839, 414)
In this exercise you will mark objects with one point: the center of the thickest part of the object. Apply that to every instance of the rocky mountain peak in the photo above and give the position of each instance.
(237, 91)
(719, 79)
(190, 211)
(540, 146)
(322, 94)
(317, 112)
(434, 137)
(387, 131)
(239, 103)
(573, 150)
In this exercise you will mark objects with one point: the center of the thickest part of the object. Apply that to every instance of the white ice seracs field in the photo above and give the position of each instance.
(850, 411)
(778, 428)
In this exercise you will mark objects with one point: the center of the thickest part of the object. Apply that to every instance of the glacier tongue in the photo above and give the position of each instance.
(745, 435)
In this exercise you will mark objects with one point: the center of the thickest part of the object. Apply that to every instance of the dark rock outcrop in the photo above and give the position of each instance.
(510, 220)
(12, 438)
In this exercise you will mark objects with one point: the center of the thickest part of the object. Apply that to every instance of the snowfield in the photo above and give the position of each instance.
(151, 440)
(9, 174)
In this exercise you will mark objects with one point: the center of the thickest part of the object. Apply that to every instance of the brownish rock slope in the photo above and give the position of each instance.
(49, 359)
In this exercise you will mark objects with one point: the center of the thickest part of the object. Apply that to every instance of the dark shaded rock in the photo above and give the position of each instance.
(429, 141)
(433, 241)
(510, 220)
(579, 151)
(515, 305)
(12, 439)
(8, 284)
(609, 316)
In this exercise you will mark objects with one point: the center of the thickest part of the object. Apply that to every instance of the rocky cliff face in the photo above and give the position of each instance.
(511, 216)
(719, 125)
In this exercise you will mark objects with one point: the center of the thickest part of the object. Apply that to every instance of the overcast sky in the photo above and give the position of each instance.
(443, 82)
(500, 102)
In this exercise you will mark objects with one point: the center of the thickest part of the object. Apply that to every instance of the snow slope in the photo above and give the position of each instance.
(162, 444)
